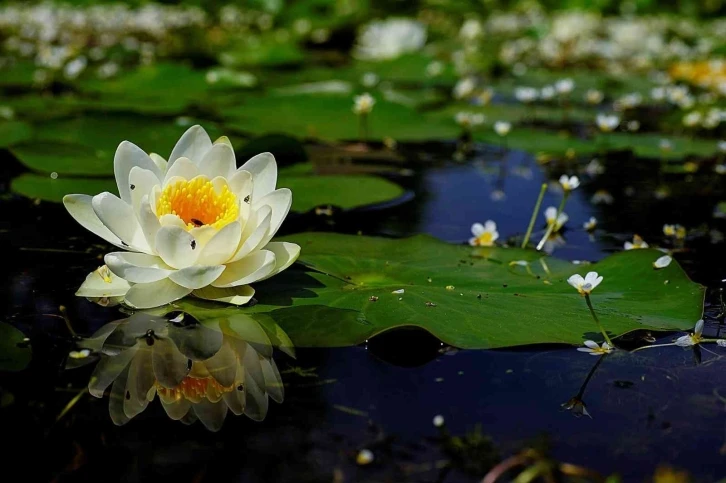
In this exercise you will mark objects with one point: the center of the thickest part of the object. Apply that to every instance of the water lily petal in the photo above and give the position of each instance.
(285, 255)
(591, 344)
(231, 295)
(221, 246)
(128, 156)
(160, 162)
(176, 246)
(280, 202)
(254, 233)
(150, 224)
(137, 267)
(141, 183)
(183, 168)
(95, 286)
(263, 168)
(253, 267)
(576, 281)
(176, 409)
(169, 364)
(197, 276)
(273, 381)
(81, 209)
(119, 217)
(477, 229)
(193, 144)
(240, 183)
(108, 369)
(222, 366)
(218, 161)
(155, 294)
(210, 414)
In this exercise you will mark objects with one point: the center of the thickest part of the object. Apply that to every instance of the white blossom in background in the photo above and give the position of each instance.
(594, 96)
(553, 218)
(363, 104)
(389, 39)
(637, 243)
(526, 94)
(464, 88)
(569, 183)
(195, 224)
(564, 86)
(484, 235)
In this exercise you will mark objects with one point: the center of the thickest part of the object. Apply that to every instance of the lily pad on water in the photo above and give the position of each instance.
(14, 353)
(45, 188)
(14, 132)
(467, 297)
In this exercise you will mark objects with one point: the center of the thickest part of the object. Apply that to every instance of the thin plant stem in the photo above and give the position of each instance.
(551, 226)
(581, 392)
(534, 215)
(597, 321)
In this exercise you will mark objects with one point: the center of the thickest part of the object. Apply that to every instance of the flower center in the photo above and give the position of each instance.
(197, 203)
(485, 238)
(194, 389)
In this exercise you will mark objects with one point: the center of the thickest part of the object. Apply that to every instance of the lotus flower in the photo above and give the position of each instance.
(193, 225)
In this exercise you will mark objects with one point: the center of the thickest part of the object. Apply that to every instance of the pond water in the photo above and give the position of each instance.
(656, 406)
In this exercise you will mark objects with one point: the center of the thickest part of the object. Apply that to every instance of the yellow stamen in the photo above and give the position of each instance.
(485, 239)
(104, 273)
(197, 203)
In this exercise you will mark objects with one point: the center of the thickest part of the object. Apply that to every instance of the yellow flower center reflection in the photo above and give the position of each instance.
(198, 203)
(194, 389)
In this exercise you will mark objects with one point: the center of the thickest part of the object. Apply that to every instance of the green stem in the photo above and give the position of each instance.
(597, 321)
(534, 215)
(551, 226)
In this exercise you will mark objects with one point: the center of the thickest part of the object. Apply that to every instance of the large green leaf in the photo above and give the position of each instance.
(467, 297)
(14, 132)
(344, 191)
(15, 353)
(45, 188)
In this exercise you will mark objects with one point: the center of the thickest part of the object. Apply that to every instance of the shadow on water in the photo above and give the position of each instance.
(661, 405)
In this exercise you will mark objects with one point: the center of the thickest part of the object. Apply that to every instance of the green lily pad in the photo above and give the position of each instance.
(45, 188)
(344, 191)
(467, 297)
(14, 132)
(73, 159)
(14, 353)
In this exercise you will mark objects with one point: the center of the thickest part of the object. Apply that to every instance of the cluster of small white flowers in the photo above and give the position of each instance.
(620, 44)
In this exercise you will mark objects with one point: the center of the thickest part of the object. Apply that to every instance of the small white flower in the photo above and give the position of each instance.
(637, 243)
(692, 339)
(438, 420)
(721, 342)
(526, 94)
(607, 123)
(564, 86)
(585, 285)
(365, 457)
(434, 69)
(594, 96)
(81, 354)
(692, 119)
(369, 79)
(363, 104)
(569, 184)
(722, 146)
(552, 217)
(662, 262)
(484, 235)
(590, 224)
(547, 93)
(464, 88)
(471, 29)
(502, 128)
(389, 39)
(633, 125)
(593, 349)
(469, 119)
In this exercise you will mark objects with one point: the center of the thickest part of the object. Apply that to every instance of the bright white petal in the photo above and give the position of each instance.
(129, 155)
(81, 209)
(218, 161)
(255, 239)
(247, 270)
(183, 168)
(137, 267)
(96, 287)
(159, 162)
(149, 223)
(197, 276)
(176, 247)
(220, 248)
(698, 330)
(119, 217)
(193, 144)
(477, 229)
(263, 168)
(576, 281)
(141, 183)
(285, 255)
(490, 226)
(280, 202)
(684, 341)
(232, 295)
(591, 344)
(584, 349)
(663, 261)
(155, 294)
(240, 183)
(172, 220)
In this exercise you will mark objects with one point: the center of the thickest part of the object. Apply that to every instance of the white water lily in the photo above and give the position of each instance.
(607, 123)
(585, 285)
(637, 243)
(558, 220)
(193, 225)
(692, 339)
(593, 349)
(363, 104)
(484, 235)
(569, 183)
(389, 39)
(502, 128)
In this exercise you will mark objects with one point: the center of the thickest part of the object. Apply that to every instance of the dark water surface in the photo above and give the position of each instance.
(656, 406)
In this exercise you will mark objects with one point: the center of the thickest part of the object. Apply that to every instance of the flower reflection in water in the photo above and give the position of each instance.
(198, 371)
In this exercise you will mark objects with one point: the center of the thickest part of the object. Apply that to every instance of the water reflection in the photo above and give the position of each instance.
(199, 371)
